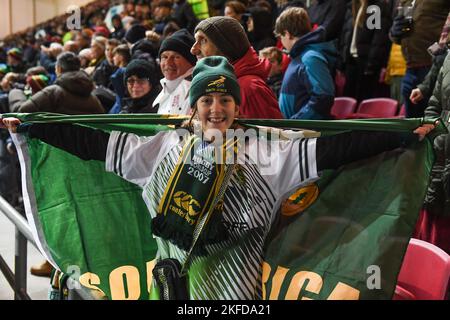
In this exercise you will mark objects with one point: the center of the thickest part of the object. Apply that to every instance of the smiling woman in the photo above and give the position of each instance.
(215, 95)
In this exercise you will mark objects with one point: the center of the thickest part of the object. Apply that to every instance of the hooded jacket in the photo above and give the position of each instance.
(307, 91)
(71, 94)
(257, 99)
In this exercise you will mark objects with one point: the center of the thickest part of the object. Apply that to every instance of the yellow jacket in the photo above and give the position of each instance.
(397, 63)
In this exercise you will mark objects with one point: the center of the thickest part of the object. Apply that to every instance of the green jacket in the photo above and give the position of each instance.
(200, 8)
(429, 17)
(438, 195)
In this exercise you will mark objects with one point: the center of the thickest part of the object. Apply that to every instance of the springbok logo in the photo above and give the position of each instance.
(187, 202)
(300, 200)
(218, 83)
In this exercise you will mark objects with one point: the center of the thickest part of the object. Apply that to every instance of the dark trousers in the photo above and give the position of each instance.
(359, 85)
(412, 78)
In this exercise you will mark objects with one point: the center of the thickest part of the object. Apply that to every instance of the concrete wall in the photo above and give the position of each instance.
(18, 15)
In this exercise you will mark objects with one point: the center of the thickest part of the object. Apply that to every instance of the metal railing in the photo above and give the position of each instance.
(18, 279)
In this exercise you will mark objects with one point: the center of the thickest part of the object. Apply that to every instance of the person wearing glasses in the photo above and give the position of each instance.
(143, 87)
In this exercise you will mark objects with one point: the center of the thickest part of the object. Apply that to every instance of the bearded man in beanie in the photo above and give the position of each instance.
(177, 63)
(224, 36)
(142, 85)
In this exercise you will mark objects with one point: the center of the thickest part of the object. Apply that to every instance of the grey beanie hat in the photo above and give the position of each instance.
(227, 35)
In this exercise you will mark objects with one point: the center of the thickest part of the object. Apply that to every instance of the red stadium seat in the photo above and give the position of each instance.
(376, 108)
(343, 107)
(379, 107)
(425, 273)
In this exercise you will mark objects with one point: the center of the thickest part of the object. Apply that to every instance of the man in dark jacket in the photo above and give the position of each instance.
(226, 37)
(364, 48)
(329, 14)
(440, 51)
(307, 91)
(71, 93)
(416, 35)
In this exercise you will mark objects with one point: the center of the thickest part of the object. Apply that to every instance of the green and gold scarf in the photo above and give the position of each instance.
(194, 184)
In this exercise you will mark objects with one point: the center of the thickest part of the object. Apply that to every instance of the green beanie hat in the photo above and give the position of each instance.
(214, 74)
(4, 69)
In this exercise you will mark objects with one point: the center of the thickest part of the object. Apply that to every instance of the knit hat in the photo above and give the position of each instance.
(214, 74)
(227, 35)
(37, 82)
(143, 69)
(4, 69)
(144, 46)
(135, 33)
(180, 41)
(15, 53)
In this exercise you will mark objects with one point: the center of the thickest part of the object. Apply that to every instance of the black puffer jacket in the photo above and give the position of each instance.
(373, 44)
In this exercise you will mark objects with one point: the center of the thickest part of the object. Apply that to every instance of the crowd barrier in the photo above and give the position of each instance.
(18, 279)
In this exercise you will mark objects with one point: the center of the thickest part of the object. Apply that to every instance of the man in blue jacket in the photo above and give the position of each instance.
(307, 91)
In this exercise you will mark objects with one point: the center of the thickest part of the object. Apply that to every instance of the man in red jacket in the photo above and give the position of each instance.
(224, 36)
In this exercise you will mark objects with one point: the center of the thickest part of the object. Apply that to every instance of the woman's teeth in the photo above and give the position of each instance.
(216, 120)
